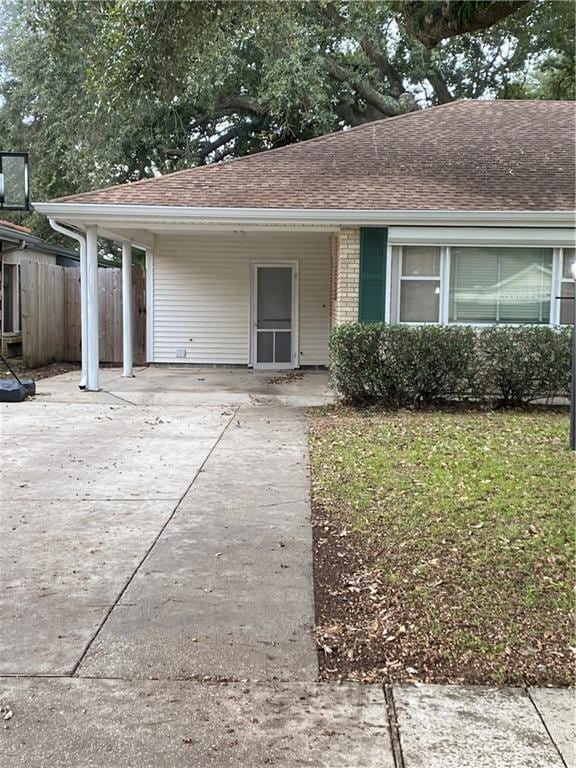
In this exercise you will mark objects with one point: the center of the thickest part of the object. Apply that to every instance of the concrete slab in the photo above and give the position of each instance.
(124, 468)
(76, 452)
(39, 418)
(63, 564)
(558, 710)
(230, 603)
(186, 385)
(187, 399)
(121, 724)
(463, 727)
(227, 591)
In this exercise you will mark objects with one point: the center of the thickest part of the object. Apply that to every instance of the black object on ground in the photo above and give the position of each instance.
(17, 390)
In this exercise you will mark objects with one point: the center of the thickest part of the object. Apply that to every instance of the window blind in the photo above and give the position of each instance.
(500, 285)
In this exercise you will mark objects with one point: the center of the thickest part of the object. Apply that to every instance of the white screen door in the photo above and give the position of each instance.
(274, 316)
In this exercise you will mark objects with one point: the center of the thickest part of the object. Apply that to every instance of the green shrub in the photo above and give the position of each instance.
(397, 365)
(524, 363)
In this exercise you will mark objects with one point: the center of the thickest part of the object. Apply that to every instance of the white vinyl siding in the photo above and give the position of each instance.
(202, 294)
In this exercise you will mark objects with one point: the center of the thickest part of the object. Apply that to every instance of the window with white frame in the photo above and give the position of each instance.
(567, 287)
(482, 284)
(420, 284)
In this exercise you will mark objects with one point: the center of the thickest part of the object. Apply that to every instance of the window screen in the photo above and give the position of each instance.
(274, 297)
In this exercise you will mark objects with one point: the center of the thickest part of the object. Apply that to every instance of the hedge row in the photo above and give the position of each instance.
(396, 365)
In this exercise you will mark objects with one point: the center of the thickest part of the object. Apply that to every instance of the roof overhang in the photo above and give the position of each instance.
(165, 218)
(25, 240)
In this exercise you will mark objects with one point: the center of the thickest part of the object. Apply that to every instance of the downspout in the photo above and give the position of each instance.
(81, 239)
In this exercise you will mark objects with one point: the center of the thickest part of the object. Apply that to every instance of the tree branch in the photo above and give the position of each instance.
(350, 114)
(212, 146)
(432, 22)
(243, 104)
(387, 71)
(436, 80)
(439, 86)
(387, 105)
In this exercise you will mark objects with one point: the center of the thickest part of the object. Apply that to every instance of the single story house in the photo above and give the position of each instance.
(462, 213)
(18, 244)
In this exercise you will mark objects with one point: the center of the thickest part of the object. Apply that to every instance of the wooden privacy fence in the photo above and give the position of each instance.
(50, 300)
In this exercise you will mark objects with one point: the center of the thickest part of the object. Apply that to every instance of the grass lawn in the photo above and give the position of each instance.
(444, 545)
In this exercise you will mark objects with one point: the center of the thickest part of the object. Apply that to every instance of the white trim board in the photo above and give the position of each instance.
(109, 214)
(466, 236)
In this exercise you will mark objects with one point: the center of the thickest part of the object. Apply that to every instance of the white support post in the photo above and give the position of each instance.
(127, 356)
(149, 305)
(92, 382)
(85, 343)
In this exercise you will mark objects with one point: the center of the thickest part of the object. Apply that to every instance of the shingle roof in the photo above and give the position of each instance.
(468, 155)
(17, 227)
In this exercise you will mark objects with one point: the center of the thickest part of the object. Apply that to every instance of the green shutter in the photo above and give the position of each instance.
(373, 246)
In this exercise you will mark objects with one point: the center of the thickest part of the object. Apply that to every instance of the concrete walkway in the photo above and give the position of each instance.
(157, 605)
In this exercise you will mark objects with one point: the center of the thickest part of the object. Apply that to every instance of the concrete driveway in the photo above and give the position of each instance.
(158, 541)
(157, 600)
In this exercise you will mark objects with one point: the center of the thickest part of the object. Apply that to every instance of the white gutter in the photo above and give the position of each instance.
(81, 239)
(90, 213)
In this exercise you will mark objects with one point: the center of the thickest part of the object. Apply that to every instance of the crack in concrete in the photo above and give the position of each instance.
(561, 756)
(151, 547)
(122, 399)
(393, 728)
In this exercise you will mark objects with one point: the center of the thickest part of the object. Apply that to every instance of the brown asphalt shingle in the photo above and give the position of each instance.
(469, 155)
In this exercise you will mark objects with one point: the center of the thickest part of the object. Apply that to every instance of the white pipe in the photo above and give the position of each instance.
(81, 239)
(127, 357)
(92, 383)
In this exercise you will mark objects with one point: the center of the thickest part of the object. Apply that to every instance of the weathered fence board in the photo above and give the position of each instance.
(73, 335)
(51, 327)
(43, 313)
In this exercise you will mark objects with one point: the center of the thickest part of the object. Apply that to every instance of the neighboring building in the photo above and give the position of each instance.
(462, 213)
(18, 244)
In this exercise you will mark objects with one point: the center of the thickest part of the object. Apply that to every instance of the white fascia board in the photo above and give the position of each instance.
(151, 214)
(470, 236)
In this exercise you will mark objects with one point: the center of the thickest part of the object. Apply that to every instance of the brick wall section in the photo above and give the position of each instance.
(345, 276)
(333, 278)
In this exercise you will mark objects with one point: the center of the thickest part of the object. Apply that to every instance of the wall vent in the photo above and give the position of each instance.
(180, 353)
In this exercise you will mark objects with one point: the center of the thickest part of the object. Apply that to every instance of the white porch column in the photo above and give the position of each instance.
(127, 355)
(84, 314)
(149, 305)
(93, 361)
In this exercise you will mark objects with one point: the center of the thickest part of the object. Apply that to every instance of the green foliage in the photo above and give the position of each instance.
(107, 91)
(520, 364)
(396, 365)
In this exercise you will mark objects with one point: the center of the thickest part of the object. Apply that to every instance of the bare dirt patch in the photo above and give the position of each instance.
(43, 372)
